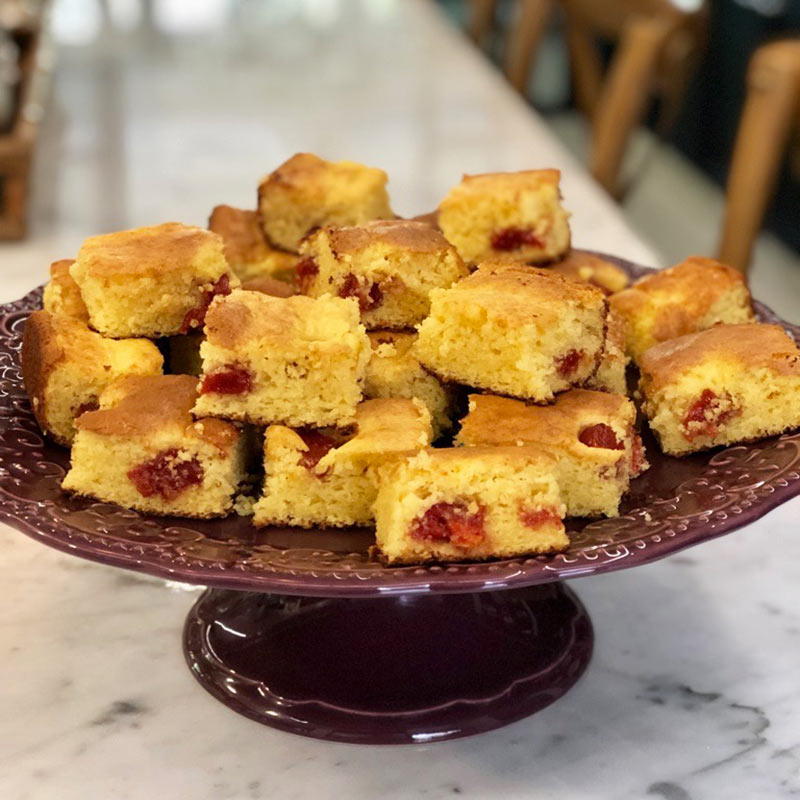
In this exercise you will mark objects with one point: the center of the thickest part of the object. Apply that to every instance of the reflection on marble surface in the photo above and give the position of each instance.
(692, 693)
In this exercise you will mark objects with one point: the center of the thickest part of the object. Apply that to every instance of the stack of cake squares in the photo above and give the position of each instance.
(459, 380)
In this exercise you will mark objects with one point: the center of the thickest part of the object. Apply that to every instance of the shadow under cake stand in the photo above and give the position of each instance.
(301, 631)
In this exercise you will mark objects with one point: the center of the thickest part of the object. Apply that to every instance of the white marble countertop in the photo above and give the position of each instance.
(692, 693)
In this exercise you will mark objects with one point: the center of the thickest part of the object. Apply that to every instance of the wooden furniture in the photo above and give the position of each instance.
(17, 145)
(656, 45)
(771, 113)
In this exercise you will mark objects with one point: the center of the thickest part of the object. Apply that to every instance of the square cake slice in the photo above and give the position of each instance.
(151, 282)
(728, 384)
(66, 366)
(141, 449)
(514, 214)
(590, 436)
(247, 250)
(62, 295)
(469, 503)
(689, 297)
(514, 330)
(327, 478)
(389, 266)
(307, 192)
(296, 361)
(394, 371)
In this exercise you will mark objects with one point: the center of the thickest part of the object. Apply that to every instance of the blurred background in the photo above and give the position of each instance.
(676, 123)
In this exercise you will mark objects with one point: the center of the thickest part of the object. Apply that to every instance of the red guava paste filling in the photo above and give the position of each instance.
(319, 445)
(568, 363)
(537, 517)
(166, 475)
(368, 297)
(600, 435)
(231, 379)
(305, 272)
(513, 238)
(706, 415)
(451, 522)
(196, 317)
(89, 405)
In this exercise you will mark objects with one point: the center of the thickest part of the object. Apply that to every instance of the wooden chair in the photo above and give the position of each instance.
(656, 46)
(771, 113)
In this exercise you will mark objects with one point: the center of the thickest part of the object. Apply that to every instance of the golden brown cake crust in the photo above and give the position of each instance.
(525, 179)
(242, 315)
(754, 345)
(504, 453)
(495, 420)
(592, 269)
(59, 270)
(240, 229)
(41, 351)
(271, 286)
(402, 233)
(145, 251)
(153, 402)
(690, 289)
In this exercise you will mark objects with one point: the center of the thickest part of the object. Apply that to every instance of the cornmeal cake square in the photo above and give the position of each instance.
(151, 282)
(514, 214)
(62, 295)
(141, 449)
(469, 503)
(689, 297)
(247, 250)
(295, 360)
(306, 192)
(514, 330)
(583, 266)
(389, 266)
(394, 371)
(66, 366)
(319, 477)
(611, 375)
(728, 384)
(590, 435)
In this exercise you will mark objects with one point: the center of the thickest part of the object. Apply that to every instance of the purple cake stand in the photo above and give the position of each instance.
(301, 631)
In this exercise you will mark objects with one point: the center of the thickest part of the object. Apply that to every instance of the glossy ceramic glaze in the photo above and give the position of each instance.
(409, 669)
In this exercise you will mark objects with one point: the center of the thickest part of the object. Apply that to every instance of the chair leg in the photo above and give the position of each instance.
(624, 96)
(480, 20)
(587, 69)
(764, 128)
(524, 37)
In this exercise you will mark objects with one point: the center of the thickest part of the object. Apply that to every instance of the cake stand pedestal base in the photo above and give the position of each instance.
(391, 670)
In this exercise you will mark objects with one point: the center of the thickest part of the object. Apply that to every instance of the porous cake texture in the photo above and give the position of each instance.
(457, 504)
(65, 367)
(394, 371)
(689, 297)
(590, 436)
(295, 361)
(514, 214)
(389, 266)
(307, 192)
(514, 330)
(247, 250)
(593, 269)
(151, 282)
(727, 384)
(318, 477)
(611, 375)
(143, 450)
(62, 295)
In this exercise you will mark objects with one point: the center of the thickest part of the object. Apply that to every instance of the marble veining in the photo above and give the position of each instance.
(693, 691)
